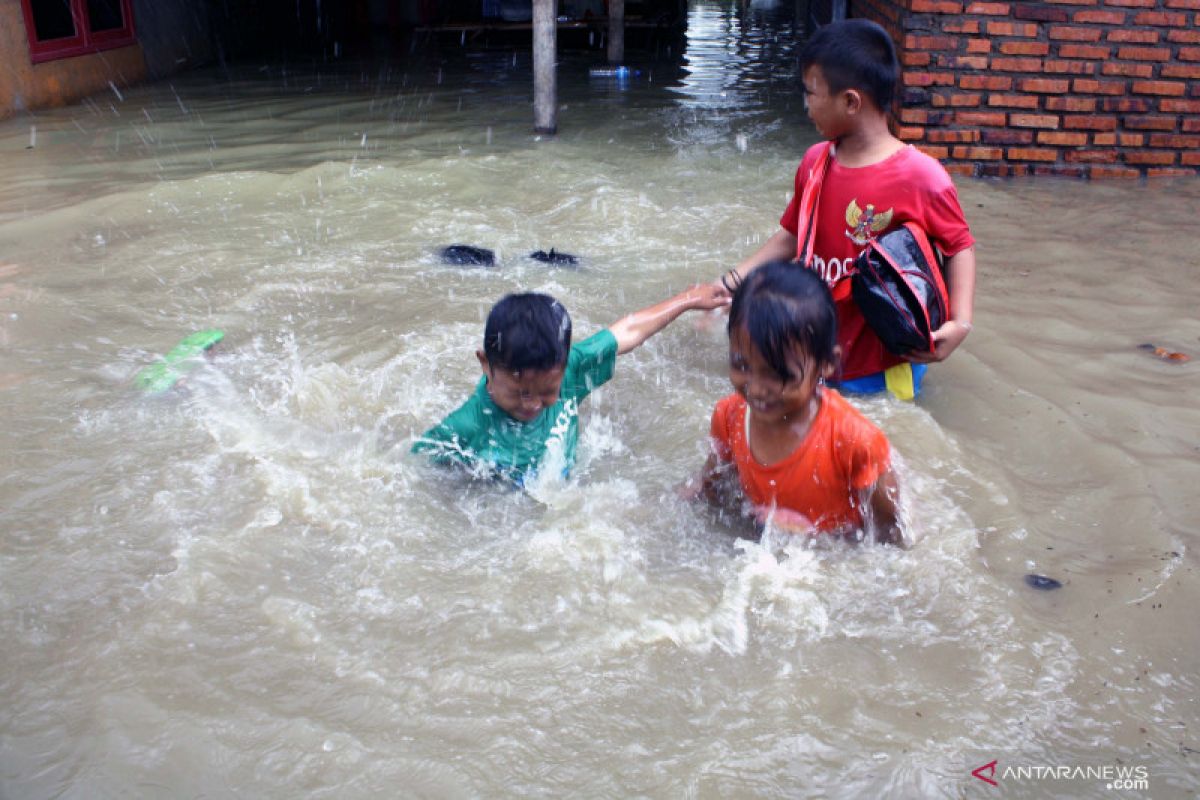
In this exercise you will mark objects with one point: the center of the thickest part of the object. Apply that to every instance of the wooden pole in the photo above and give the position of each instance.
(545, 70)
(616, 31)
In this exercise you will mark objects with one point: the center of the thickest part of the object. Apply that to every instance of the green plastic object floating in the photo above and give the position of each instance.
(176, 364)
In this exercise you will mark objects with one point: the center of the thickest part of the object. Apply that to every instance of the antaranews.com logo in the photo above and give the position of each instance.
(1114, 776)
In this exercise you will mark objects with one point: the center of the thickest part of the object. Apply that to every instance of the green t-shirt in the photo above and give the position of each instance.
(479, 432)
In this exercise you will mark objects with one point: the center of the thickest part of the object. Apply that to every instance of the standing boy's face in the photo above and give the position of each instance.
(523, 394)
(825, 109)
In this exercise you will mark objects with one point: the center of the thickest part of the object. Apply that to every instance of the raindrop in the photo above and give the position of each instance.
(489, 135)
(33, 137)
(116, 91)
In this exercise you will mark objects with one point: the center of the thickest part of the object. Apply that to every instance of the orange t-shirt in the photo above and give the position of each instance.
(842, 452)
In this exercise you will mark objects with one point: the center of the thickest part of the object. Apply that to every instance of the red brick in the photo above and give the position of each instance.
(1190, 159)
(1089, 86)
(1032, 154)
(935, 7)
(1127, 36)
(1033, 120)
(965, 170)
(1189, 54)
(1191, 125)
(961, 26)
(1180, 106)
(1194, 5)
(916, 58)
(1169, 172)
(1156, 157)
(956, 100)
(993, 118)
(1059, 171)
(1092, 51)
(988, 9)
(1144, 53)
(1127, 105)
(1025, 48)
(1128, 70)
(974, 153)
(918, 78)
(979, 46)
(1091, 156)
(911, 133)
(1039, 12)
(1071, 33)
(1164, 88)
(1017, 64)
(1026, 29)
(1056, 66)
(914, 116)
(1189, 36)
(953, 137)
(1084, 104)
(1062, 139)
(1003, 170)
(1132, 3)
(1151, 122)
(1006, 136)
(1093, 16)
(1131, 139)
(1104, 139)
(1115, 172)
(1175, 141)
(914, 42)
(1160, 18)
(1028, 102)
(935, 151)
(1089, 122)
(995, 83)
(1044, 85)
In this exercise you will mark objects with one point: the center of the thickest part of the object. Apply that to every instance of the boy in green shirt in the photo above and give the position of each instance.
(524, 414)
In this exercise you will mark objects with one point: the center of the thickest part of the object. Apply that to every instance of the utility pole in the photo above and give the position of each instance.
(616, 31)
(545, 68)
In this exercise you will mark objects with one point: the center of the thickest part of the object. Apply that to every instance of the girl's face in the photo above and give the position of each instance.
(771, 398)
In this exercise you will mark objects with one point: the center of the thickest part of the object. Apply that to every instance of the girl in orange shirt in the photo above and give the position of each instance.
(805, 458)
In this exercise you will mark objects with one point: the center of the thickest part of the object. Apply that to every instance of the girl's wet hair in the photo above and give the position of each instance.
(527, 331)
(855, 54)
(784, 307)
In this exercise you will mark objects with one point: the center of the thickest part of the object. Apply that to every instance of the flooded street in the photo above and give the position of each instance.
(247, 587)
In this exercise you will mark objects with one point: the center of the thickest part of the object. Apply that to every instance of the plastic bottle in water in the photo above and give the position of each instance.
(612, 72)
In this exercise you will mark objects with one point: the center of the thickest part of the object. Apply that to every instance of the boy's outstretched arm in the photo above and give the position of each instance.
(632, 330)
(960, 278)
(780, 247)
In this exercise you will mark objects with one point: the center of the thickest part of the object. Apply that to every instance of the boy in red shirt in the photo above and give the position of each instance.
(874, 183)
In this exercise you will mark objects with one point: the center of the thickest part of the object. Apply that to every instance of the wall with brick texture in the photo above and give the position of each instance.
(1083, 88)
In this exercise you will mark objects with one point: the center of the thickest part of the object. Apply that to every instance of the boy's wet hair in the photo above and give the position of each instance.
(783, 306)
(855, 54)
(527, 331)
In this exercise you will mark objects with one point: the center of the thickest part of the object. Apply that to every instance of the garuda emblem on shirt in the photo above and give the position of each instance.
(864, 223)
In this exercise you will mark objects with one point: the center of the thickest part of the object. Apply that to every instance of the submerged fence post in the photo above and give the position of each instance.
(616, 31)
(545, 70)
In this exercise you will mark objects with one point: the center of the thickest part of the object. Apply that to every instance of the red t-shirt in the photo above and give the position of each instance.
(859, 203)
(842, 452)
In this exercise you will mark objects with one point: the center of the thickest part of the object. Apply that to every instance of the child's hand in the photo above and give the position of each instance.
(946, 340)
(707, 296)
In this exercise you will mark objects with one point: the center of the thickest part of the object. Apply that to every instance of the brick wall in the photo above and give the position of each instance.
(1084, 88)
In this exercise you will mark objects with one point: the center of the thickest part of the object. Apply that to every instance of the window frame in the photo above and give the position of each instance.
(84, 42)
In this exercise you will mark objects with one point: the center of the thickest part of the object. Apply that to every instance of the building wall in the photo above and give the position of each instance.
(24, 85)
(174, 34)
(1085, 88)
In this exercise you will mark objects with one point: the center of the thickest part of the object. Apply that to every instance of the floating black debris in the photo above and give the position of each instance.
(558, 259)
(465, 255)
(1042, 582)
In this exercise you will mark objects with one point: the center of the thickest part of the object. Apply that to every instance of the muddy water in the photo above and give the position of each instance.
(248, 588)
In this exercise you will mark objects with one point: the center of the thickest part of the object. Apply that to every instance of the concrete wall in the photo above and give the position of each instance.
(24, 85)
(1083, 88)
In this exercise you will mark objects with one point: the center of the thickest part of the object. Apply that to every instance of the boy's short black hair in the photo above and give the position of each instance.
(855, 54)
(527, 331)
(782, 306)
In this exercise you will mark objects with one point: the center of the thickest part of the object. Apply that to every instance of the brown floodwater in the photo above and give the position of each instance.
(248, 588)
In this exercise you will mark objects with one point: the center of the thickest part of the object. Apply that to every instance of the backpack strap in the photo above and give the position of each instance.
(806, 219)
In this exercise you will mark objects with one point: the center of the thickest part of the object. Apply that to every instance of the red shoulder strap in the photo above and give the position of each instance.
(806, 220)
